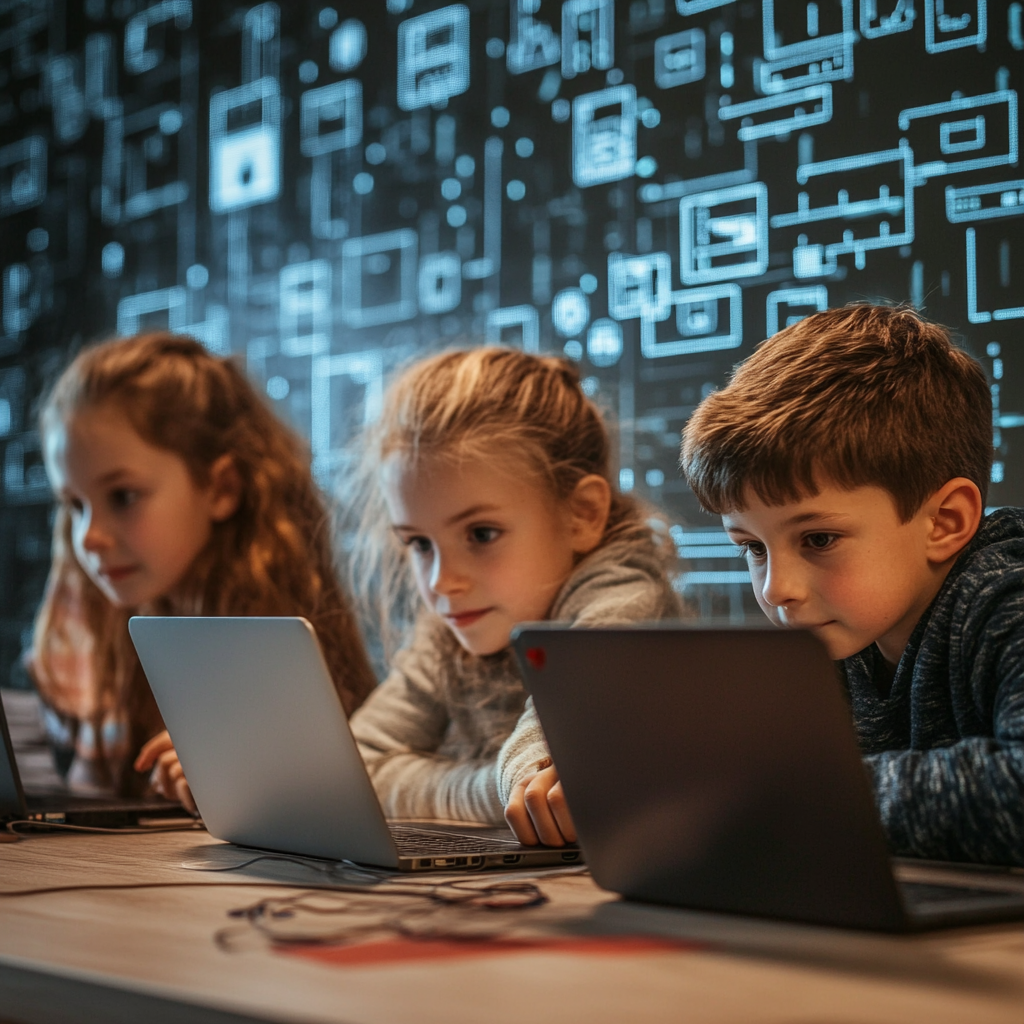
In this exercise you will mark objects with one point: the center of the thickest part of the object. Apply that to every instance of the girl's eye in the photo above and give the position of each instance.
(484, 534)
(421, 545)
(820, 541)
(123, 497)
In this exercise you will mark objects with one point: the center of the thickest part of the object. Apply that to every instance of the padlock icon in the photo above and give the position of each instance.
(245, 146)
(604, 136)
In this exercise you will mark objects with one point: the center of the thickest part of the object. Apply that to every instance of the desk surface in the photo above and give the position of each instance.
(131, 954)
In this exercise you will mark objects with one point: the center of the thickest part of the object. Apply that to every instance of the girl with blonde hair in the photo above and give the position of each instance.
(179, 493)
(485, 499)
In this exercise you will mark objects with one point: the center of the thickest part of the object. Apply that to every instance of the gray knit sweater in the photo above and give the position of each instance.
(945, 743)
(446, 729)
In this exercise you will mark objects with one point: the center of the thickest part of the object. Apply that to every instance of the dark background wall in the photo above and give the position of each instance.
(650, 186)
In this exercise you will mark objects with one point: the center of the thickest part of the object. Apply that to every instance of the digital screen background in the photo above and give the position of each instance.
(650, 187)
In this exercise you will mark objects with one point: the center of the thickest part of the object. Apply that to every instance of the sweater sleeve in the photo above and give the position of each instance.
(965, 802)
(610, 595)
(399, 730)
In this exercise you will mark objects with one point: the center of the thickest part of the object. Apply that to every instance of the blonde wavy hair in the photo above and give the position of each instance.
(490, 403)
(273, 556)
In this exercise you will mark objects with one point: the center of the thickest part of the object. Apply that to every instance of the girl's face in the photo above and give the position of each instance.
(138, 519)
(488, 548)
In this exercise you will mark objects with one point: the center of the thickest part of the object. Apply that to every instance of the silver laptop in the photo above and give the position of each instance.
(267, 751)
(718, 769)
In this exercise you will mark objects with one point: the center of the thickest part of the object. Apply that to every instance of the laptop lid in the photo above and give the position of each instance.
(713, 769)
(262, 736)
(12, 797)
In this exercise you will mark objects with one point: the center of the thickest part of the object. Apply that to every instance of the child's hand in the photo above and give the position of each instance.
(168, 778)
(537, 811)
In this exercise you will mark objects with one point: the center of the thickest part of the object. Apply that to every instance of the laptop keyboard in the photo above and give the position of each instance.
(412, 840)
(918, 894)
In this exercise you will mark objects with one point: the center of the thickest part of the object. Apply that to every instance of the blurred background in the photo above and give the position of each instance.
(650, 187)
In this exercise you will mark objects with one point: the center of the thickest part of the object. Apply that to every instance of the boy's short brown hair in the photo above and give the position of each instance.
(858, 396)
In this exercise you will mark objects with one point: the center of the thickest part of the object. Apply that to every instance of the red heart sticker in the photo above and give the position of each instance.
(536, 657)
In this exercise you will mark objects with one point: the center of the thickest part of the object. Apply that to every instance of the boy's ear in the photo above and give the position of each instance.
(955, 510)
(589, 505)
(225, 488)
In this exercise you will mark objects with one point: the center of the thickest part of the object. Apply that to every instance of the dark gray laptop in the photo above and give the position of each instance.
(19, 802)
(718, 769)
(266, 749)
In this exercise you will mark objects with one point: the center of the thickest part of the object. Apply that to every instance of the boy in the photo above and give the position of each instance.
(849, 457)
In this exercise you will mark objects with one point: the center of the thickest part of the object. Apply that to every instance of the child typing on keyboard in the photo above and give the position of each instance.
(486, 500)
(179, 493)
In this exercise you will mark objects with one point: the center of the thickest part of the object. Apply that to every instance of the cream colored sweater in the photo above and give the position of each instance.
(448, 734)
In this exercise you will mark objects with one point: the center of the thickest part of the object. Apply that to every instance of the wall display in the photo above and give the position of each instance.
(650, 187)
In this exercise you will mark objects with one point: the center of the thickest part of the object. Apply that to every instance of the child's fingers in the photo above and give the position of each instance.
(518, 818)
(560, 811)
(152, 750)
(536, 799)
(184, 795)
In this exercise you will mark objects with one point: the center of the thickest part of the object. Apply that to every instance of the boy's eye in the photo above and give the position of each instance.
(820, 541)
(753, 548)
(74, 505)
(484, 534)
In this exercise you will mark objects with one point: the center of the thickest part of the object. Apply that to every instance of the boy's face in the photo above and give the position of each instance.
(842, 565)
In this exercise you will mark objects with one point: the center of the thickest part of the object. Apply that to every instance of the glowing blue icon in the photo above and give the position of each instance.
(22, 174)
(521, 320)
(70, 112)
(331, 118)
(573, 350)
(21, 301)
(364, 371)
(579, 55)
(245, 160)
(139, 55)
(440, 282)
(24, 475)
(465, 165)
(134, 310)
(822, 52)
(456, 215)
(604, 136)
(433, 57)
(12, 396)
(626, 476)
(944, 31)
(655, 477)
(112, 259)
(588, 284)
(866, 203)
(126, 160)
(197, 276)
(723, 234)
(378, 278)
(981, 129)
(640, 286)
(813, 298)
(707, 320)
(304, 313)
(900, 18)
(679, 58)
(532, 43)
(524, 147)
(278, 388)
(347, 46)
(696, 6)
(515, 190)
(362, 183)
(570, 312)
(500, 117)
(783, 112)
(604, 342)
(983, 202)
(983, 316)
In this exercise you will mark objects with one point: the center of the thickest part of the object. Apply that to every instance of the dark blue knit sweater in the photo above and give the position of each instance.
(945, 744)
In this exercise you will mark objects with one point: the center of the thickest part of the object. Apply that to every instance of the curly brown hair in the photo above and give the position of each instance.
(273, 556)
(857, 396)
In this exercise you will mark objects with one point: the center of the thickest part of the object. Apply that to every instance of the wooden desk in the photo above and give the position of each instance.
(150, 955)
